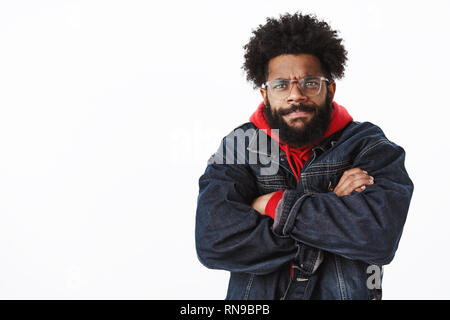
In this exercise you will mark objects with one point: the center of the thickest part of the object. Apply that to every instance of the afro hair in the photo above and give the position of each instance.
(293, 34)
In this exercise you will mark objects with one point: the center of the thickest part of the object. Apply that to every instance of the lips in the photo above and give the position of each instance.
(298, 114)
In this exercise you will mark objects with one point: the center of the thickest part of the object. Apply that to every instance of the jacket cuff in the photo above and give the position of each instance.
(286, 211)
(272, 203)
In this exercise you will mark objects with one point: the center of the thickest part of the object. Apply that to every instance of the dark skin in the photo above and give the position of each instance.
(288, 66)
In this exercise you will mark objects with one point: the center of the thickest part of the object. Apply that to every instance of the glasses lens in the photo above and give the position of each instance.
(280, 88)
(308, 86)
(279, 85)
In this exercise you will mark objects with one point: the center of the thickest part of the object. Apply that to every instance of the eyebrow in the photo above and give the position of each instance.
(306, 76)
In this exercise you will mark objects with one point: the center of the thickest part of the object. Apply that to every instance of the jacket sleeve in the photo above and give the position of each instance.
(229, 233)
(362, 226)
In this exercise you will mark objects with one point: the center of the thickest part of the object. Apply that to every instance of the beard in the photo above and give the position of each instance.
(310, 132)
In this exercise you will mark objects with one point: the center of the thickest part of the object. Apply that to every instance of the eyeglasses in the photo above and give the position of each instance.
(309, 86)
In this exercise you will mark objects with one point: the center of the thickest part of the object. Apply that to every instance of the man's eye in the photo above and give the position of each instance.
(279, 85)
(311, 83)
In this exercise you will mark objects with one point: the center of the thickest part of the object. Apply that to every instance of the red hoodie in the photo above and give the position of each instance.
(339, 119)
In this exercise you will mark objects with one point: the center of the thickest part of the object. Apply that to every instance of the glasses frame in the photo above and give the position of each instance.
(266, 84)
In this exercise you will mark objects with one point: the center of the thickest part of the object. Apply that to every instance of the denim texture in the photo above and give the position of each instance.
(330, 240)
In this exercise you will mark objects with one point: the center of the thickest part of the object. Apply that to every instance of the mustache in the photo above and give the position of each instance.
(297, 107)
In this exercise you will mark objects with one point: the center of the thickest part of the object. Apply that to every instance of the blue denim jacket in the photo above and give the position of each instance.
(330, 241)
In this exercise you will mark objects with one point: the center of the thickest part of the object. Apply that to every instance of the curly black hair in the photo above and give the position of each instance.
(293, 34)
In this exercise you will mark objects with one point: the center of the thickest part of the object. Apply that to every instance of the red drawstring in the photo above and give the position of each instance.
(300, 157)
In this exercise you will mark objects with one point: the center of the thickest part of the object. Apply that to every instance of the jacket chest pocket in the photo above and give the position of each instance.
(324, 177)
(271, 183)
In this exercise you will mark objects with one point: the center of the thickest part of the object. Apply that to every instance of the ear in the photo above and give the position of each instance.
(263, 94)
(331, 89)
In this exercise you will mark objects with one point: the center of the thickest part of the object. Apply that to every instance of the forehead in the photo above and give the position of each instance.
(289, 66)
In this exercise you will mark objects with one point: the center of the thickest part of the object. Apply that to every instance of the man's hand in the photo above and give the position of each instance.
(259, 204)
(353, 180)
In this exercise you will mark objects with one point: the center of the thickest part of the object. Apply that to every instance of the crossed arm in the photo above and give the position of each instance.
(232, 232)
(364, 226)
(354, 179)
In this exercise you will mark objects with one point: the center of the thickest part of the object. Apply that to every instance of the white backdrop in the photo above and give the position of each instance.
(109, 111)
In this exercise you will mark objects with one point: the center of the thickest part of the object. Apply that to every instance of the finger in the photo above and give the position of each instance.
(352, 185)
(358, 183)
(353, 171)
(350, 174)
(352, 181)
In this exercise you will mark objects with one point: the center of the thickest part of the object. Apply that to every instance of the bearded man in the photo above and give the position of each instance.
(321, 225)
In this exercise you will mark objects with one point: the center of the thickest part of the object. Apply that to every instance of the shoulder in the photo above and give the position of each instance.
(363, 131)
(366, 136)
(246, 131)
(235, 144)
(248, 126)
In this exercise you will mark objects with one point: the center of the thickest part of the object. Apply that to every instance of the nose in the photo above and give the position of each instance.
(295, 95)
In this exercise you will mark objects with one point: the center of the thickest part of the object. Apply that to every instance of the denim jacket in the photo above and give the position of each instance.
(320, 246)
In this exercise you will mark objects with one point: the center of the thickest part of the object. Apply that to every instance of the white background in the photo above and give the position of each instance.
(109, 111)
